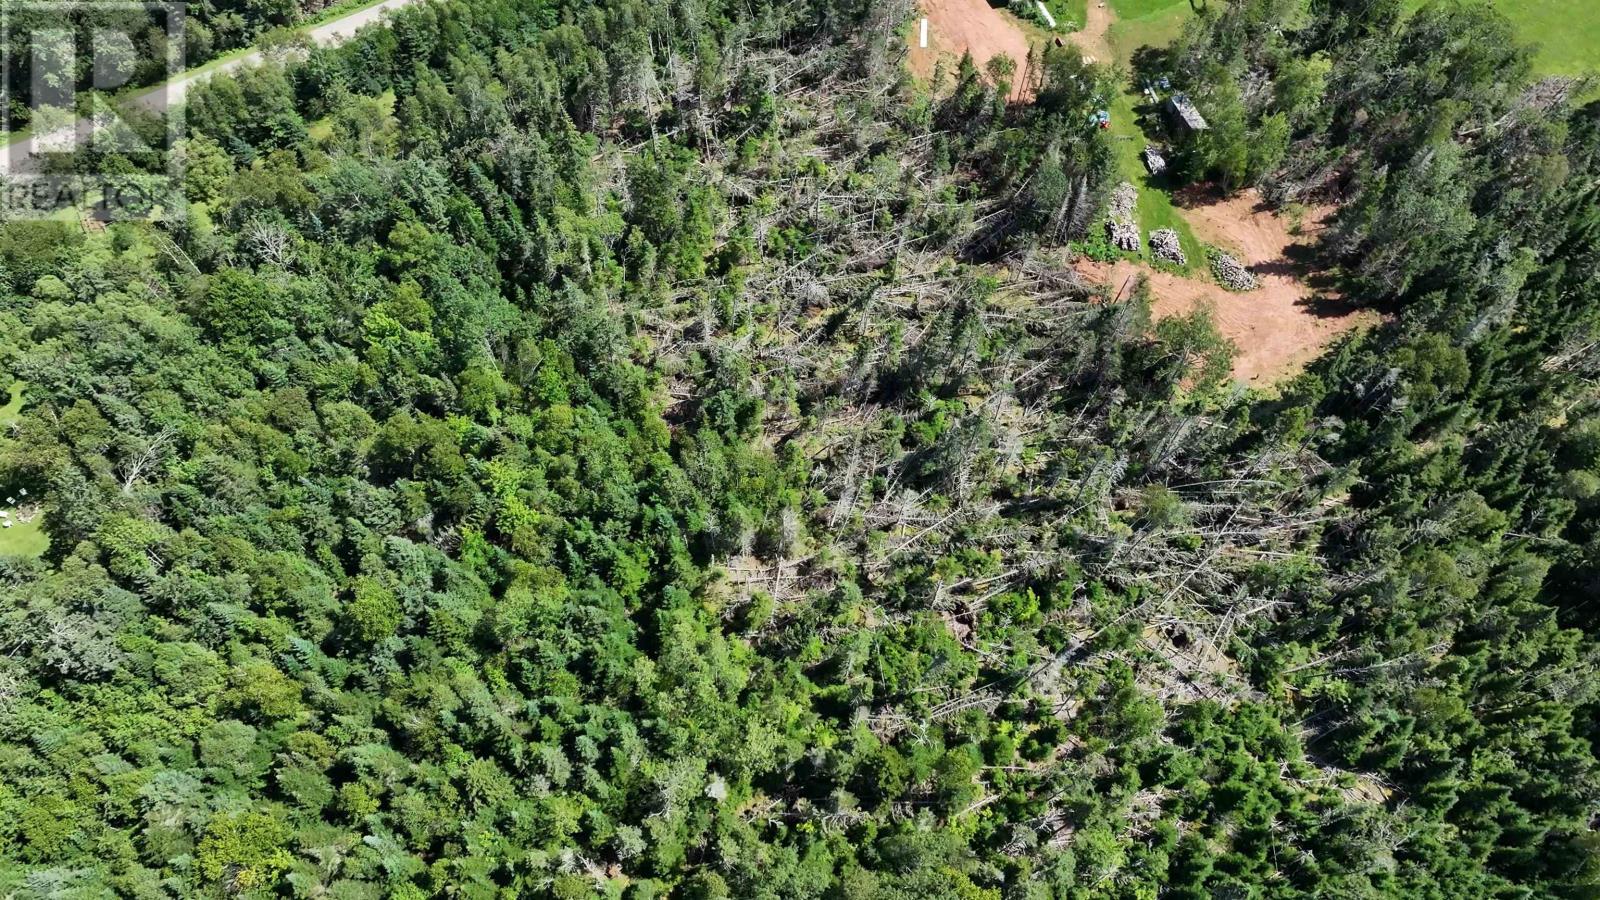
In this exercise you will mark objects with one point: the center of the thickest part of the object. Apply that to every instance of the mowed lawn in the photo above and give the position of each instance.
(1141, 23)
(10, 403)
(24, 539)
(20, 539)
(1146, 23)
(1155, 208)
(1566, 32)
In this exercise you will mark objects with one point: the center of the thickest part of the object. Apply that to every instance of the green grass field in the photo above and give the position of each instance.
(1070, 14)
(1141, 23)
(1138, 9)
(20, 539)
(1566, 32)
(12, 405)
(24, 539)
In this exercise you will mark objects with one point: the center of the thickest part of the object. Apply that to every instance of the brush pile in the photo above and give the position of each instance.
(1124, 235)
(1120, 226)
(1165, 245)
(1123, 198)
(1153, 160)
(1230, 272)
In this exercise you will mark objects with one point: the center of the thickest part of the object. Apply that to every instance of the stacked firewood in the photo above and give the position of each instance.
(1120, 225)
(1124, 235)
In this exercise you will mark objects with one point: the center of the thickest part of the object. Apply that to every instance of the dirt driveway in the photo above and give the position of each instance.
(957, 26)
(1091, 38)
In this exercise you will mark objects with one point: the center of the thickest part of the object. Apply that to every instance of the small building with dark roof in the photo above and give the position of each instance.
(1182, 116)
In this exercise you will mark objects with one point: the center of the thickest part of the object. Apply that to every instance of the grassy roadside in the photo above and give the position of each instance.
(1070, 14)
(85, 100)
(333, 11)
(1074, 11)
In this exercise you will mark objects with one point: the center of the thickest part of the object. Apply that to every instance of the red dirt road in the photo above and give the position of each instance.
(957, 26)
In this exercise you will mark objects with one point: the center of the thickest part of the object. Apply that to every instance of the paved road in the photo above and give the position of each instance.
(20, 157)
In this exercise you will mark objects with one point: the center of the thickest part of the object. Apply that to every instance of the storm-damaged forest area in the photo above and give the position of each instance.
(664, 448)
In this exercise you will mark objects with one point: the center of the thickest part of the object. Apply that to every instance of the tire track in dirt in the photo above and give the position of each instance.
(1092, 37)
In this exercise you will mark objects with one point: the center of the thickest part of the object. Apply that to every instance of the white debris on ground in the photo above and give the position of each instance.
(1120, 226)
(1123, 198)
(1164, 243)
(1230, 272)
(1045, 11)
(12, 515)
(1153, 160)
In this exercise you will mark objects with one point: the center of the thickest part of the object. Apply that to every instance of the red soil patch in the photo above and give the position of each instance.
(971, 26)
(1276, 328)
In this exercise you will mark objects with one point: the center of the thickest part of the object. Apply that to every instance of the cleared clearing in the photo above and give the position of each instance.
(24, 538)
(969, 26)
(1278, 327)
(12, 405)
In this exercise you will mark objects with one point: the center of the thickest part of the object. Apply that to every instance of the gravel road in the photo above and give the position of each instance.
(20, 156)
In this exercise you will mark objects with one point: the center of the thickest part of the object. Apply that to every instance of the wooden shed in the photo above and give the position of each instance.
(1182, 116)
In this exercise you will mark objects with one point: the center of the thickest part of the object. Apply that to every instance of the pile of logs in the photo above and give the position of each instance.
(1119, 218)
(1124, 235)
(1123, 198)
(1231, 273)
(1165, 245)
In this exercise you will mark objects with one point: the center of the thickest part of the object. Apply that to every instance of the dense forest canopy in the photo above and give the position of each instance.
(653, 448)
